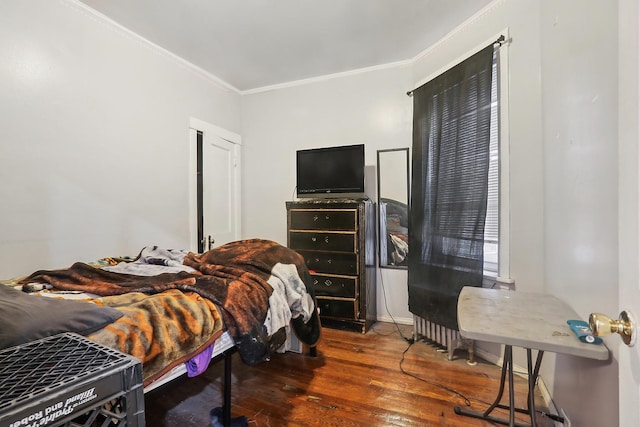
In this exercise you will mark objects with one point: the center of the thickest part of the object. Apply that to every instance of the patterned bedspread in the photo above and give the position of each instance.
(255, 286)
(189, 323)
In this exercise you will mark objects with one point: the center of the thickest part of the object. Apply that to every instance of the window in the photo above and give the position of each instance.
(492, 222)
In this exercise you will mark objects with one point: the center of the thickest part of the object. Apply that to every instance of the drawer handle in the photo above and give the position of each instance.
(315, 281)
(313, 239)
(326, 239)
(316, 217)
(328, 282)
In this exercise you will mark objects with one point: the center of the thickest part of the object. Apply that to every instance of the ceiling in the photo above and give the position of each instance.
(251, 44)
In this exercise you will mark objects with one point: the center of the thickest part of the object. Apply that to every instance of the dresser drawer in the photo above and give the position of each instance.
(322, 241)
(325, 219)
(334, 286)
(331, 262)
(345, 309)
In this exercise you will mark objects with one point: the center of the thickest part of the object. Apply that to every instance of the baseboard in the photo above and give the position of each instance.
(398, 320)
(548, 400)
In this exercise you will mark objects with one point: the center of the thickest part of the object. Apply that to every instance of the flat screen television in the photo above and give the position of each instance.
(330, 172)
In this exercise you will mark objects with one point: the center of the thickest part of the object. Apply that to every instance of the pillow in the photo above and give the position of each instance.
(25, 317)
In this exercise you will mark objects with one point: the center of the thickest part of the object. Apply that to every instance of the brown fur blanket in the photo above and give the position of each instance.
(237, 277)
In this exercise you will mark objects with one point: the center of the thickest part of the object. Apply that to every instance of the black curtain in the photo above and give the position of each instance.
(450, 164)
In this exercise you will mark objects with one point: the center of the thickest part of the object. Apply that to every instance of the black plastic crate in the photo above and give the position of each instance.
(68, 380)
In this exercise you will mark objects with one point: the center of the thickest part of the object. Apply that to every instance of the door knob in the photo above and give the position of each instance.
(601, 325)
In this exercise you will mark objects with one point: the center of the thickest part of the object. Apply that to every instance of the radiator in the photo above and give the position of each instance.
(445, 339)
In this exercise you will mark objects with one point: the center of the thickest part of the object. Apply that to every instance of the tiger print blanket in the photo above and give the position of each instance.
(189, 324)
(247, 280)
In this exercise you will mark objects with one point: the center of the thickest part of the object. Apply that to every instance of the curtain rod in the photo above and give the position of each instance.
(500, 41)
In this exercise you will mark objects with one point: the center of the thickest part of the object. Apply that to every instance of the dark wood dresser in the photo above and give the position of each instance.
(336, 237)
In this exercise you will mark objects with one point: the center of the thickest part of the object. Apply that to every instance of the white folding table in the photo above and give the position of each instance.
(528, 320)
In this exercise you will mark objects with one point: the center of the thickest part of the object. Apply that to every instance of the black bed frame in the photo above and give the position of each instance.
(226, 384)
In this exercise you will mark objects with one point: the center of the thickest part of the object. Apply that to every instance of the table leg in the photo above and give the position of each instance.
(512, 401)
(507, 369)
(505, 364)
(531, 379)
(226, 409)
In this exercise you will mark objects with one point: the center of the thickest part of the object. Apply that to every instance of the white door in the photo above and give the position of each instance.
(216, 198)
(629, 208)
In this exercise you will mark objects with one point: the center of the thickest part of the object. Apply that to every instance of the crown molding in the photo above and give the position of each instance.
(118, 28)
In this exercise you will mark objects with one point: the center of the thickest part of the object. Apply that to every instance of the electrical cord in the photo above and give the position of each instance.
(411, 341)
(466, 400)
(386, 306)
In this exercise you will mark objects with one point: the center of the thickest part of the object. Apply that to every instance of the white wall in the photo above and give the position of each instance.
(93, 137)
(551, 223)
(367, 107)
(580, 123)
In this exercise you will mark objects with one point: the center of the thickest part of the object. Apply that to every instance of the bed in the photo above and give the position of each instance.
(174, 310)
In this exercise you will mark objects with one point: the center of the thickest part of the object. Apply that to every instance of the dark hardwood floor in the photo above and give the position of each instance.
(356, 380)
